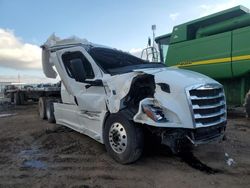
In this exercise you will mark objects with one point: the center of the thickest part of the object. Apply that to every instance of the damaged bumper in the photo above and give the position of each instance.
(207, 134)
(177, 139)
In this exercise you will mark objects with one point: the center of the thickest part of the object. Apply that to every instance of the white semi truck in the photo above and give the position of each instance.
(114, 97)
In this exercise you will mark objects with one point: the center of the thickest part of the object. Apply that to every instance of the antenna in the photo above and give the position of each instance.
(151, 50)
(153, 29)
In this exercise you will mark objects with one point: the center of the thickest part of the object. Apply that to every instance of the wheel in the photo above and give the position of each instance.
(123, 139)
(42, 107)
(22, 98)
(50, 111)
(12, 98)
(17, 100)
(247, 104)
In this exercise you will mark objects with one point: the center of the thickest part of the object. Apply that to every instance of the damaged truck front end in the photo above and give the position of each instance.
(208, 114)
(114, 97)
(193, 115)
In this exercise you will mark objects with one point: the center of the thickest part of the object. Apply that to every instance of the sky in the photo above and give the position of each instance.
(122, 24)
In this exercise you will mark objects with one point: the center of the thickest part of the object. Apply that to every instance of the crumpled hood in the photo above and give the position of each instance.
(177, 79)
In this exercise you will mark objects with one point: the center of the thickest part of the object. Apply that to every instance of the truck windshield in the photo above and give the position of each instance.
(117, 62)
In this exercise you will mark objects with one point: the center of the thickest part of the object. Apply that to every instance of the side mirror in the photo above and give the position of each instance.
(77, 69)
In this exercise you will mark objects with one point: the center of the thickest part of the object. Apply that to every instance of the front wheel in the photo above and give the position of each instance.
(123, 139)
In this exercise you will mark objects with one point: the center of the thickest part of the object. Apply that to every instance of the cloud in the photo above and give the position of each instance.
(136, 52)
(174, 16)
(207, 9)
(14, 53)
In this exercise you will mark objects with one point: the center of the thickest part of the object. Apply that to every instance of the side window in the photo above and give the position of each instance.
(70, 57)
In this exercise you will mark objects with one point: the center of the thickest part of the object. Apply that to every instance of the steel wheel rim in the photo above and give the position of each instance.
(118, 137)
(48, 112)
(40, 108)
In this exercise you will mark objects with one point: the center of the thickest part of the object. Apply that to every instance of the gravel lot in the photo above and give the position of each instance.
(35, 153)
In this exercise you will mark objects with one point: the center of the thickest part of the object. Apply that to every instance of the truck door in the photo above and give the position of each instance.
(82, 78)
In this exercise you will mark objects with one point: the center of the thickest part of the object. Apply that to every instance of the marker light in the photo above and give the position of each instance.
(153, 112)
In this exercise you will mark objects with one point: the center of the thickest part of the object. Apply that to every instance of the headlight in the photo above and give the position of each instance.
(154, 112)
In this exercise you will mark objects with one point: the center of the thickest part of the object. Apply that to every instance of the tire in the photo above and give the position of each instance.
(42, 107)
(22, 98)
(50, 111)
(123, 139)
(17, 100)
(247, 104)
(12, 99)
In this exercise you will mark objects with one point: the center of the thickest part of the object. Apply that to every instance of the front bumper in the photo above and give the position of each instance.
(178, 139)
(206, 134)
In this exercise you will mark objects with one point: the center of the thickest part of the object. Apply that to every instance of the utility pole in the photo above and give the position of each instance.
(153, 49)
(153, 29)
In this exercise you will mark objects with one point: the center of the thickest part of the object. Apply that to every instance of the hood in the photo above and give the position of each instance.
(118, 86)
(177, 79)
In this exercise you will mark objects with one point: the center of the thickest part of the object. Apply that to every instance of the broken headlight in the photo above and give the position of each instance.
(154, 112)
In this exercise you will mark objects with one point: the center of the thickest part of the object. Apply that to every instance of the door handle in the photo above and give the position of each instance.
(88, 86)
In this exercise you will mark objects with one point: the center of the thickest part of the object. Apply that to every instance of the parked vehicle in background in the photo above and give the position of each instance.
(43, 86)
(114, 97)
(28, 87)
(217, 46)
(19, 95)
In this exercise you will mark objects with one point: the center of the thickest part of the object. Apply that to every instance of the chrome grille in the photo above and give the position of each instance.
(207, 102)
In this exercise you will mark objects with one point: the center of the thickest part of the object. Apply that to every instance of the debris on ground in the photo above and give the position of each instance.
(229, 161)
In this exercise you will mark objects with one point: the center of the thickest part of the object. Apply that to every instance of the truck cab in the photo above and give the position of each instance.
(114, 97)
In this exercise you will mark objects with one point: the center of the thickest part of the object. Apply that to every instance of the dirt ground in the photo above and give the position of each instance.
(34, 153)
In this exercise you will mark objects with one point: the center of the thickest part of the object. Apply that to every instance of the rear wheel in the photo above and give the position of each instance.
(247, 104)
(42, 107)
(22, 98)
(12, 99)
(123, 139)
(17, 100)
(50, 111)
